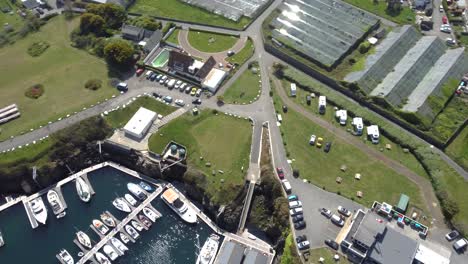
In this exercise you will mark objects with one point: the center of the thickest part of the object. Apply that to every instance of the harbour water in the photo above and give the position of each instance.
(169, 240)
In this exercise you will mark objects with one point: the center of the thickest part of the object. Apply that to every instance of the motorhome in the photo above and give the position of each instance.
(293, 89)
(322, 104)
(358, 125)
(342, 116)
(373, 133)
(280, 119)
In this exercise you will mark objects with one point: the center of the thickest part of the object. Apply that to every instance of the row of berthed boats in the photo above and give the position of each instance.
(117, 246)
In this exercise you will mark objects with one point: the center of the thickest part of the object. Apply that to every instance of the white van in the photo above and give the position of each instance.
(280, 119)
(286, 186)
(337, 220)
(171, 83)
(295, 204)
(296, 211)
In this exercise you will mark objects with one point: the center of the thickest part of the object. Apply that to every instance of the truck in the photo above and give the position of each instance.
(322, 104)
(293, 90)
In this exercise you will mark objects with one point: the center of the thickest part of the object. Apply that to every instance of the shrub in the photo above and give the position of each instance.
(35, 91)
(364, 47)
(93, 84)
(37, 48)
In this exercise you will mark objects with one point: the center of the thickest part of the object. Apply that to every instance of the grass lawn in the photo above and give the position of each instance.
(12, 19)
(174, 37)
(119, 118)
(378, 182)
(405, 16)
(244, 54)
(62, 70)
(210, 41)
(222, 140)
(458, 150)
(327, 254)
(244, 89)
(178, 10)
(27, 153)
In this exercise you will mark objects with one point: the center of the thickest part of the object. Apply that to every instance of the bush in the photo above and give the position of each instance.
(364, 47)
(34, 91)
(167, 27)
(93, 84)
(37, 48)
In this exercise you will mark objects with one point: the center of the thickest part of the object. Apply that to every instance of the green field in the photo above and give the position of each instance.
(244, 89)
(174, 36)
(28, 154)
(405, 16)
(458, 150)
(221, 140)
(378, 182)
(178, 10)
(210, 41)
(327, 254)
(119, 118)
(62, 70)
(244, 54)
(12, 19)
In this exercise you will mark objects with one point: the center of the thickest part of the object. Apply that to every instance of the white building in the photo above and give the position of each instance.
(342, 116)
(213, 80)
(139, 124)
(373, 133)
(358, 125)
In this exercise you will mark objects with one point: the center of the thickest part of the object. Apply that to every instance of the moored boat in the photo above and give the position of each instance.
(2, 240)
(103, 229)
(84, 239)
(101, 258)
(146, 186)
(39, 210)
(83, 190)
(110, 252)
(55, 202)
(208, 252)
(66, 257)
(172, 199)
(119, 245)
(120, 204)
(129, 198)
(131, 231)
(137, 225)
(136, 190)
(108, 220)
(124, 238)
(145, 220)
(151, 214)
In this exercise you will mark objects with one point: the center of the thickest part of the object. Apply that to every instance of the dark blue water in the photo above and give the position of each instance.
(169, 240)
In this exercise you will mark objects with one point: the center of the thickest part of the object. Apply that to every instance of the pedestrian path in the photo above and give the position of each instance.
(158, 124)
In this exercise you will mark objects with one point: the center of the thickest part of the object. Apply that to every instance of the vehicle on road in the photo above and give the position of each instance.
(179, 102)
(444, 20)
(297, 218)
(319, 142)
(327, 213)
(460, 245)
(327, 147)
(296, 211)
(168, 99)
(301, 238)
(452, 235)
(286, 186)
(331, 244)
(303, 245)
(293, 197)
(295, 204)
(441, 8)
(194, 91)
(337, 220)
(163, 79)
(280, 173)
(230, 53)
(312, 140)
(197, 101)
(300, 225)
(198, 93)
(344, 211)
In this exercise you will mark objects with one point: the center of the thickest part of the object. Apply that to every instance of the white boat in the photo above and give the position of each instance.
(145, 220)
(2, 240)
(131, 231)
(208, 252)
(108, 220)
(120, 204)
(130, 199)
(171, 198)
(83, 190)
(136, 190)
(110, 252)
(62, 214)
(101, 258)
(119, 245)
(84, 239)
(55, 202)
(39, 210)
(137, 225)
(146, 186)
(66, 257)
(103, 229)
(152, 215)
(124, 238)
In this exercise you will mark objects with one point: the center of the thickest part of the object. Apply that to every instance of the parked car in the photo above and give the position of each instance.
(168, 99)
(337, 220)
(285, 109)
(158, 77)
(194, 91)
(300, 225)
(327, 213)
(293, 197)
(450, 41)
(312, 140)
(188, 89)
(198, 93)
(157, 95)
(139, 71)
(197, 101)
(286, 186)
(171, 83)
(163, 79)
(441, 8)
(319, 142)
(301, 238)
(444, 20)
(179, 102)
(230, 53)
(344, 211)
(123, 87)
(153, 77)
(182, 87)
(148, 74)
(303, 245)
(327, 147)
(452, 235)
(280, 173)
(297, 218)
(331, 244)
(296, 211)
(460, 245)
(178, 84)
(295, 204)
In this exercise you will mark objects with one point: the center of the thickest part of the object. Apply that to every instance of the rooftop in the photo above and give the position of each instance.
(393, 247)
(369, 228)
(140, 121)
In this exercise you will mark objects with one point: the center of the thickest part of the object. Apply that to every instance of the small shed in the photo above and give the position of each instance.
(402, 203)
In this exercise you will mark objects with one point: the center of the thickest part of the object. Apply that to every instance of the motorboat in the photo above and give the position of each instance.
(2, 240)
(103, 229)
(83, 190)
(55, 202)
(124, 238)
(208, 252)
(131, 231)
(119, 245)
(66, 257)
(129, 198)
(146, 186)
(152, 215)
(84, 239)
(62, 214)
(145, 220)
(39, 210)
(136, 190)
(101, 258)
(172, 199)
(108, 220)
(120, 204)
(110, 252)
(137, 225)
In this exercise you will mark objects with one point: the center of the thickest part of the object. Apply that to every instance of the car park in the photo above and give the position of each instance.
(188, 89)
(198, 93)
(280, 173)
(319, 142)
(193, 92)
(331, 244)
(300, 225)
(163, 79)
(301, 238)
(168, 99)
(297, 218)
(293, 197)
(197, 101)
(337, 220)
(312, 140)
(179, 102)
(303, 245)
(452, 235)
(325, 212)
(344, 211)
(327, 147)
(295, 204)
(296, 211)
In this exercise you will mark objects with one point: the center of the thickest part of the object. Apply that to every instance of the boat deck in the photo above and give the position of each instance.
(58, 189)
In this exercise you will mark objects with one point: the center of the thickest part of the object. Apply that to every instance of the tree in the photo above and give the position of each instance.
(114, 15)
(146, 22)
(91, 23)
(118, 52)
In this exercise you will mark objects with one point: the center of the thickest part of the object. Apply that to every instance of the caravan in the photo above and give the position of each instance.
(342, 116)
(358, 125)
(322, 104)
(373, 133)
(293, 90)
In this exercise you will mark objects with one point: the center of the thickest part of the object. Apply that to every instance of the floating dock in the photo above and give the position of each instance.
(30, 214)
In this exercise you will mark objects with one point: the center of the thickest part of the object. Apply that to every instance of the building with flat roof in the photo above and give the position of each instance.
(232, 253)
(140, 122)
(214, 79)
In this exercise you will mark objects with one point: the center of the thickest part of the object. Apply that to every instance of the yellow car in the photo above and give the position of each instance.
(319, 142)
(194, 91)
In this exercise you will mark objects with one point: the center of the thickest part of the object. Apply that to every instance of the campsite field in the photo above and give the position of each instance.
(244, 89)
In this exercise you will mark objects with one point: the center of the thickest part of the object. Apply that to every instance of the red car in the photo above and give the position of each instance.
(280, 173)
(444, 20)
(139, 71)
